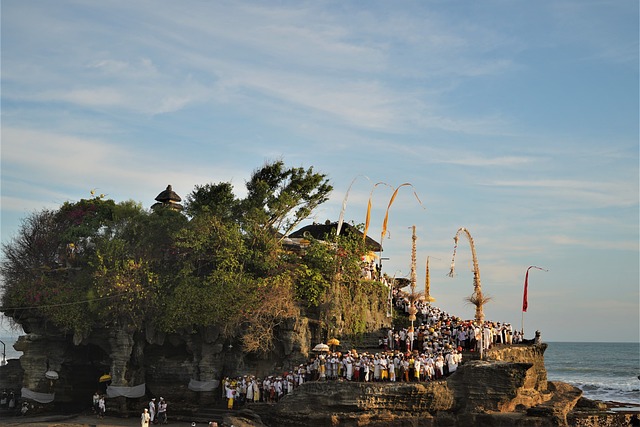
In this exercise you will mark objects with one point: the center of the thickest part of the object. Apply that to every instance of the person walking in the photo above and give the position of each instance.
(145, 418)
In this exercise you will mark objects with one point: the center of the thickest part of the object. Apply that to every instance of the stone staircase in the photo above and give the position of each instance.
(367, 342)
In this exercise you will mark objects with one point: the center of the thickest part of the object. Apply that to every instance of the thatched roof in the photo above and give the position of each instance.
(168, 195)
(320, 231)
(401, 282)
(168, 198)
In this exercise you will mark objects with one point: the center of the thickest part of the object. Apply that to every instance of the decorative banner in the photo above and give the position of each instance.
(453, 258)
(386, 215)
(344, 205)
(525, 303)
(196, 385)
(37, 396)
(427, 285)
(368, 219)
(130, 392)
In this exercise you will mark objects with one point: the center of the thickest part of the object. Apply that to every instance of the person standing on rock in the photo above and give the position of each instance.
(102, 407)
(231, 391)
(392, 370)
(96, 400)
(256, 390)
(145, 418)
(439, 366)
(152, 410)
(162, 411)
(452, 361)
(250, 390)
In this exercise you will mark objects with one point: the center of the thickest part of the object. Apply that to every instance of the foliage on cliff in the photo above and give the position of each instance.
(97, 262)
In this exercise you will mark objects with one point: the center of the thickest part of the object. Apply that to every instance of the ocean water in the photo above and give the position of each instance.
(603, 371)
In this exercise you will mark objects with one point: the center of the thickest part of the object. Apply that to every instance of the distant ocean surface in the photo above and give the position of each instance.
(603, 371)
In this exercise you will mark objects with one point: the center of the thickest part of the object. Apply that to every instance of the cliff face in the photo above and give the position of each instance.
(511, 377)
(165, 363)
(507, 390)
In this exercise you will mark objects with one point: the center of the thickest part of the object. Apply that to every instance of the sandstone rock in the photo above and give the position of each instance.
(563, 399)
(243, 418)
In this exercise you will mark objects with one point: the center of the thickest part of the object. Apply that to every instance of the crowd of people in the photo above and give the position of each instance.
(9, 400)
(98, 404)
(155, 413)
(429, 351)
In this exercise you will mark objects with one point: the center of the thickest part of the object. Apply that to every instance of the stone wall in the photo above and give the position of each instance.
(164, 362)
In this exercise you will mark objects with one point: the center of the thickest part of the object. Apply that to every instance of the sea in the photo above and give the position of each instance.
(608, 372)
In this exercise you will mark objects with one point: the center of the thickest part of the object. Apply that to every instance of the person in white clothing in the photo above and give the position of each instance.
(152, 410)
(144, 418)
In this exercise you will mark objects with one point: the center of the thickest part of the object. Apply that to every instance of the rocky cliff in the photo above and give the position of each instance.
(165, 363)
(510, 388)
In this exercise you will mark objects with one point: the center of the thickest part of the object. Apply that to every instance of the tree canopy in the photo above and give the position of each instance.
(98, 262)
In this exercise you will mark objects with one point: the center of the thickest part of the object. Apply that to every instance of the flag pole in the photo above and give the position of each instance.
(525, 303)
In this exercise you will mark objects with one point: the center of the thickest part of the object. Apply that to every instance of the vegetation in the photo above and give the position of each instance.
(100, 263)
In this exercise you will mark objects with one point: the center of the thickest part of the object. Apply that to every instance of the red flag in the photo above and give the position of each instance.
(525, 304)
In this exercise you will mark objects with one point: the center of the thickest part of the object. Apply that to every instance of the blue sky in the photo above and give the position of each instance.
(517, 120)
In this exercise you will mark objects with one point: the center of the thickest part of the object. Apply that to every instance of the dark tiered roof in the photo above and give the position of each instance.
(168, 195)
(168, 198)
(320, 231)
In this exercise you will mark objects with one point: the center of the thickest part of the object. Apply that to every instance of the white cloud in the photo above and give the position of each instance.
(588, 194)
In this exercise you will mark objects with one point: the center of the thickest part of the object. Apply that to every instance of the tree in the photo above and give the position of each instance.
(279, 198)
(96, 263)
(214, 199)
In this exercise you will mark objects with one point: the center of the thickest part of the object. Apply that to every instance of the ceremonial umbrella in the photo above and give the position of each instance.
(105, 378)
(333, 342)
(321, 347)
(51, 375)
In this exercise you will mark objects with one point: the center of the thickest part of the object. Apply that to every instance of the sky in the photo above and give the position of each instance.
(517, 120)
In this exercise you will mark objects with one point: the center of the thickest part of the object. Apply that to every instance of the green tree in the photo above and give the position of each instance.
(215, 199)
(97, 263)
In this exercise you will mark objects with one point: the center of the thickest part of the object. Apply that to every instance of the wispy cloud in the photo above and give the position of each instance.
(507, 161)
(80, 164)
(589, 194)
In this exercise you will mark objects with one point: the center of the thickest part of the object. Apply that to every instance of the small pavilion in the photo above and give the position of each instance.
(168, 199)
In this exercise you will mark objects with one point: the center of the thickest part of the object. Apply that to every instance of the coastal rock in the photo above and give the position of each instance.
(508, 390)
(563, 399)
(327, 403)
(533, 354)
(243, 418)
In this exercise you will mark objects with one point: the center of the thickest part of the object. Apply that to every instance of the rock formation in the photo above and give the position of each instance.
(508, 389)
(165, 363)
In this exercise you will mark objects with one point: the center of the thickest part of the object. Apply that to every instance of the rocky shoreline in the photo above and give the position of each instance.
(508, 388)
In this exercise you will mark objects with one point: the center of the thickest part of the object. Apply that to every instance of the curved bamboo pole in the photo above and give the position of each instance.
(476, 298)
(344, 204)
(367, 220)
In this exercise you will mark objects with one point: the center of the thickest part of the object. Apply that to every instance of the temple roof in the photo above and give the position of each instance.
(168, 198)
(168, 195)
(319, 231)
